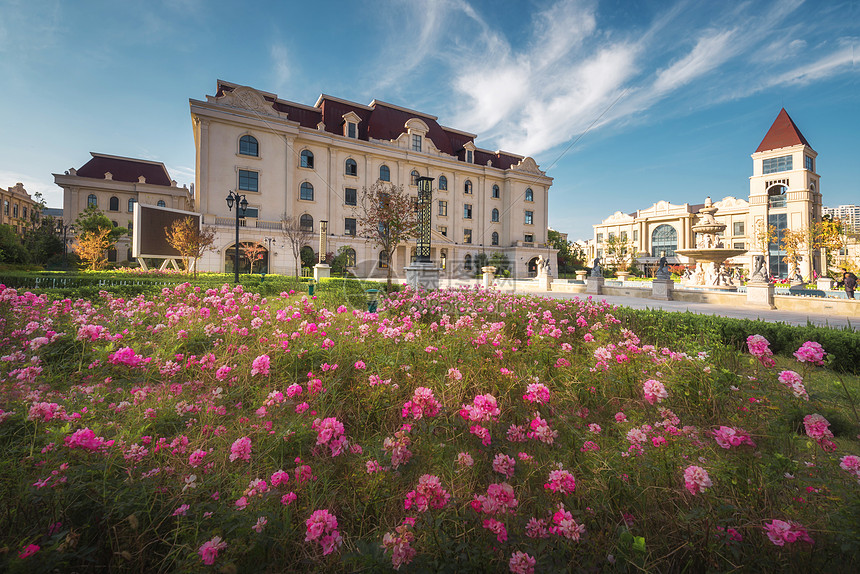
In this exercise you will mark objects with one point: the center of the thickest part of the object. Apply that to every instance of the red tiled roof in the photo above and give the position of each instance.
(125, 169)
(379, 121)
(783, 133)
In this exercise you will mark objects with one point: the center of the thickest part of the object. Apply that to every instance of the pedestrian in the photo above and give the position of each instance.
(849, 280)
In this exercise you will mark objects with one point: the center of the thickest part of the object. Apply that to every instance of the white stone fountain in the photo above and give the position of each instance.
(709, 255)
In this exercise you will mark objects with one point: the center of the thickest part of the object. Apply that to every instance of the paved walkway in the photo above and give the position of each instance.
(773, 316)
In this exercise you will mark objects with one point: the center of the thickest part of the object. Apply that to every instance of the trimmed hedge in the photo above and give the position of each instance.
(666, 328)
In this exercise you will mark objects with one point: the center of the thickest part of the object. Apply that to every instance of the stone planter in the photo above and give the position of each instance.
(581, 275)
(489, 276)
(622, 276)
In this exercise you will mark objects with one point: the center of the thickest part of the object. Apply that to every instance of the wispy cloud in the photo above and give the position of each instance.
(280, 65)
(532, 96)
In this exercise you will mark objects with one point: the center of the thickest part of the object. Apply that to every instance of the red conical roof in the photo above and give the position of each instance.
(783, 133)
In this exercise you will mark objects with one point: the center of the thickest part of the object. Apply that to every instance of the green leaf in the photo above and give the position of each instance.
(639, 543)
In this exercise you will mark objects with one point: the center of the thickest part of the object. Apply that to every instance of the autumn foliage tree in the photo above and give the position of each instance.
(388, 218)
(186, 236)
(253, 252)
(96, 234)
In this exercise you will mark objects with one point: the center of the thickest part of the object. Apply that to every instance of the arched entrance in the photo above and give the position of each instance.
(531, 267)
(253, 258)
(664, 241)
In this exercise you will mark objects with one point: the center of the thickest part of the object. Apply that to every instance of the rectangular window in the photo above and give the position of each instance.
(6, 207)
(635, 235)
(25, 213)
(624, 236)
(252, 212)
(530, 217)
(468, 156)
(350, 129)
(808, 163)
(738, 228)
(349, 226)
(467, 211)
(467, 236)
(738, 245)
(529, 238)
(600, 238)
(248, 180)
(776, 164)
(611, 235)
(443, 229)
(600, 253)
(14, 211)
(416, 142)
(350, 196)
(443, 208)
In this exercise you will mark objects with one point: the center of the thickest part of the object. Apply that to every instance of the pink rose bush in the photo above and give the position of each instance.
(759, 347)
(209, 550)
(428, 494)
(810, 352)
(781, 533)
(322, 528)
(696, 479)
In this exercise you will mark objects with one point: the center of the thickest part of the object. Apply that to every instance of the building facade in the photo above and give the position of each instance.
(784, 193)
(17, 208)
(114, 184)
(848, 214)
(312, 162)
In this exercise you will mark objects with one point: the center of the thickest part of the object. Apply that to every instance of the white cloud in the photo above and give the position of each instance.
(280, 65)
(708, 53)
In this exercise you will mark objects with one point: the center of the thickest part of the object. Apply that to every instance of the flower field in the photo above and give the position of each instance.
(461, 431)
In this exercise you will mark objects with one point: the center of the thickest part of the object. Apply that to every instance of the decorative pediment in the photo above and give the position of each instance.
(619, 217)
(663, 208)
(528, 165)
(249, 99)
(732, 202)
(416, 125)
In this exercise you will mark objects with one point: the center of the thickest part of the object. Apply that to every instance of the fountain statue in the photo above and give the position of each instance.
(710, 254)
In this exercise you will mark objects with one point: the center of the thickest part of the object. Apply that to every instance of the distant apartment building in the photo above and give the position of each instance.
(311, 162)
(17, 208)
(784, 193)
(114, 184)
(848, 214)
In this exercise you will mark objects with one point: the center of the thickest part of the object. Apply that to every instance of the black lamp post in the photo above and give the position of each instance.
(425, 199)
(65, 229)
(241, 203)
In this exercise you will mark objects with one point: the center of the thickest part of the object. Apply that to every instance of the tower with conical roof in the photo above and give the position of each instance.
(784, 190)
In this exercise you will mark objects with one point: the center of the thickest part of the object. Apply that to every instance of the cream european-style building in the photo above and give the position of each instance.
(784, 193)
(113, 184)
(312, 162)
(17, 208)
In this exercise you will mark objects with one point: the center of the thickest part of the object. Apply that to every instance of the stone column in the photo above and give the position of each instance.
(760, 294)
(594, 285)
(489, 276)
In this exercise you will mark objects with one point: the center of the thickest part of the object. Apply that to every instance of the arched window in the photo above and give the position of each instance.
(112, 255)
(92, 200)
(384, 173)
(131, 203)
(115, 224)
(495, 238)
(306, 222)
(496, 192)
(443, 183)
(776, 196)
(415, 175)
(467, 262)
(113, 203)
(664, 241)
(351, 168)
(307, 158)
(494, 216)
(530, 195)
(350, 257)
(161, 203)
(383, 260)
(248, 146)
(467, 187)
(306, 192)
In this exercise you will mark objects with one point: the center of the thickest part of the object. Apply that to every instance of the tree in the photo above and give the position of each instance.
(253, 252)
(296, 237)
(794, 242)
(388, 218)
(502, 264)
(186, 236)
(762, 236)
(570, 257)
(42, 240)
(619, 249)
(91, 247)
(95, 235)
(828, 235)
(11, 249)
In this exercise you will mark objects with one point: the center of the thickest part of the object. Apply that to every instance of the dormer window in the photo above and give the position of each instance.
(469, 154)
(350, 125)
(417, 131)
(416, 142)
(469, 158)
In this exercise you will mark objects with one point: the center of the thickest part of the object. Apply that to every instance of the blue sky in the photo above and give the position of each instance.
(624, 102)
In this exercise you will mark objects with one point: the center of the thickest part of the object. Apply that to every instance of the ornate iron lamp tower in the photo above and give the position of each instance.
(241, 203)
(425, 199)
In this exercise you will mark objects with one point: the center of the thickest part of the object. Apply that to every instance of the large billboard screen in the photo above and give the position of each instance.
(149, 238)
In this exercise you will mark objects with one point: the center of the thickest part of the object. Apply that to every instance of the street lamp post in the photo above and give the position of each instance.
(65, 229)
(241, 203)
(425, 197)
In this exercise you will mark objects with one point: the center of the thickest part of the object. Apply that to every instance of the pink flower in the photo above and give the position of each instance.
(360, 365)
(209, 550)
(727, 437)
(654, 391)
(465, 459)
(537, 528)
(541, 431)
(330, 433)
(500, 499)
(810, 352)
(620, 418)
(560, 481)
(537, 393)
(759, 348)
(241, 449)
(260, 366)
(28, 551)
(399, 544)
(497, 528)
(482, 433)
(455, 374)
(795, 382)
(565, 525)
(261, 523)
(322, 527)
(86, 439)
(781, 532)
(428, 494)
(302, 407)
(288, 498)
(484, 408)
(504, 464)
(851, 463)
(521, 563)
(423, 404)
(696, 479)
(196, 457)
(818, 429)
(279, 477)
